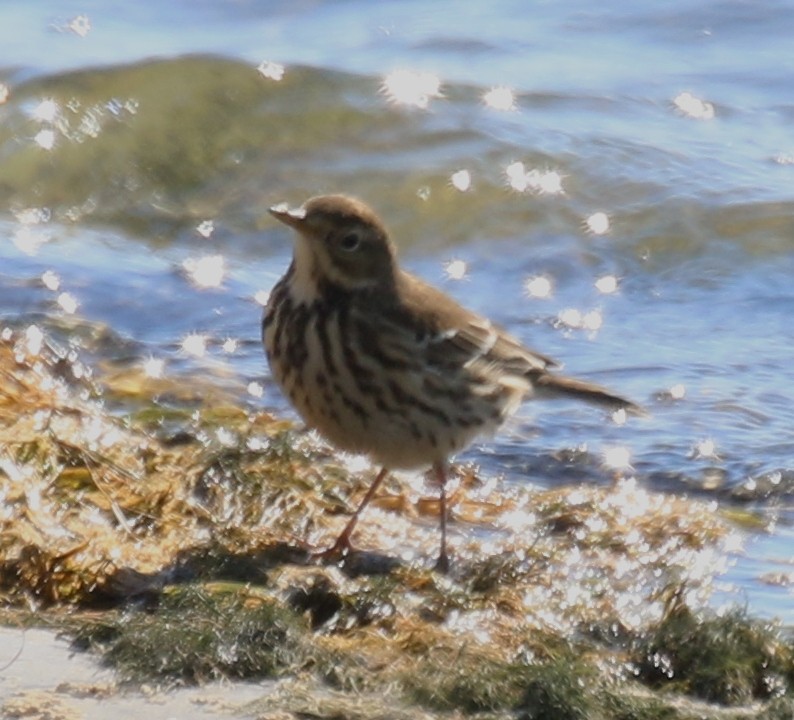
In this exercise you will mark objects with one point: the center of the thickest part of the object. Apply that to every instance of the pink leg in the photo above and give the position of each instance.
(442, 564)
(342, 544)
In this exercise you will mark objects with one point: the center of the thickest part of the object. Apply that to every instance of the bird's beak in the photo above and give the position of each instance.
(293, 217)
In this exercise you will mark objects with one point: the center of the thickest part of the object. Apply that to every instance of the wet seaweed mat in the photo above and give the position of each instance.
(186, 522)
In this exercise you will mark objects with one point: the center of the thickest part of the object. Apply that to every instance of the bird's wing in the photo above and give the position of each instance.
(452, 337)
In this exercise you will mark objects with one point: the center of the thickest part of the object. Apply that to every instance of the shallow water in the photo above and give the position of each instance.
(129, 151)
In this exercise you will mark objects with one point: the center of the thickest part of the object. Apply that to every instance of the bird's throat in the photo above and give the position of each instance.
(304, 287)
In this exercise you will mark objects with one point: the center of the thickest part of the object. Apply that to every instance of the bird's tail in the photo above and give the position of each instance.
(549, 385)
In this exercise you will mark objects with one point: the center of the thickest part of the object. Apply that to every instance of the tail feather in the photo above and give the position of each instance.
(560, 386)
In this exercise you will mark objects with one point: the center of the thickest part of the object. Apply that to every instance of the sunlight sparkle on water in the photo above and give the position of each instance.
(205, 228)
(271, 70)
(577, 320)
(461, 180)
(456, 269)
(627, 495)
(543, 182)
(407, 87)
(261, 297)
(33, 215)
(34, 340)
(617, 458)
(207, 271)
(154, 367)
(47, 111)
(607, 284)
(500, 98)
(68, 303)
(195, 344)
(694, 107)
(230, 345)
(226, 437)
(546, 182)
(678, 391)
(80, 25)
(592, 320)
(3, 93)
(570, 317)
(45, 139)
(598, 223)
(705, 449)
(50, 280)
(538, 287)
(255, 389)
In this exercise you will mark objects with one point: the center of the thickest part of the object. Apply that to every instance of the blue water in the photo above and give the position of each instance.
(701, 207)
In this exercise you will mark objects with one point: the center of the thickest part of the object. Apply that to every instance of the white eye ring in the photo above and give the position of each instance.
(350, 241)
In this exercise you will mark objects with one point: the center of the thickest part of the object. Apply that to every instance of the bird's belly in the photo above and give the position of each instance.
(372, 410)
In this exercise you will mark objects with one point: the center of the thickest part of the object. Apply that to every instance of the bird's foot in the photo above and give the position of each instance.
(338, 551)
(442, 564)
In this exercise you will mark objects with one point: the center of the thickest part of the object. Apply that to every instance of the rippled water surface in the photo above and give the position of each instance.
(611, 182)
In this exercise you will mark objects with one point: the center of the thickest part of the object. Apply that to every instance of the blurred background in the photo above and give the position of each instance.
(612, 182)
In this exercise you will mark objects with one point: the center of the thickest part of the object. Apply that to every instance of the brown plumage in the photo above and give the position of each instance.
(385, 365)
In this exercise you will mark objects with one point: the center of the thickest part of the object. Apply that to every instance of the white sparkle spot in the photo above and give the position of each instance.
(456, 269)
(693, 107)
(68, 303)
(617, 458)
(28, 239)
(678, 391)
(571, 317)
(517, 176)
(620, 416)
(500, 98)
(271, 70)
(461, 180)
(598, 223)
(226, 437)
(45, 139)
(538, 287)
(205, 228)
(546, 182)
(607, 284)
(4, 93)
(423, 193)
(33, 215)
(406, 87)
(47, 111)
(34, 340)
(207, 271)
(230, 345)
(261, 297)
(592, 320)
(256, 389)
(543, 182)
(195, 344)
(50, 280)
(706, 449)
(154, 367)
(80, 25)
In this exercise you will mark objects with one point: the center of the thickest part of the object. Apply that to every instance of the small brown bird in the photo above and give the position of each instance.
(385, 365)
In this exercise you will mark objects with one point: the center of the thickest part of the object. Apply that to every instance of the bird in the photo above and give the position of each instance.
(385, 365)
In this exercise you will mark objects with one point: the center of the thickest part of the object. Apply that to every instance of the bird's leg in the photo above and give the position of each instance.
(342, 544)
(442, 564)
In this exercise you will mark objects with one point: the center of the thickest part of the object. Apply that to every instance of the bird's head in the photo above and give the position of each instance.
(340, 240)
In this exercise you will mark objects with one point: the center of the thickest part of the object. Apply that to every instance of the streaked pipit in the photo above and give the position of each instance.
(385, 365)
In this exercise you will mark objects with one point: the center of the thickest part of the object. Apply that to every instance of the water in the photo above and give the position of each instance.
(129, 127)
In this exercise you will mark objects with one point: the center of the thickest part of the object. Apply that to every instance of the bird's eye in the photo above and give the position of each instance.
(350, 242)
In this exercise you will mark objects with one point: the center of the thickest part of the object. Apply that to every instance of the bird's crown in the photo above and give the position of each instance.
(340, 239)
